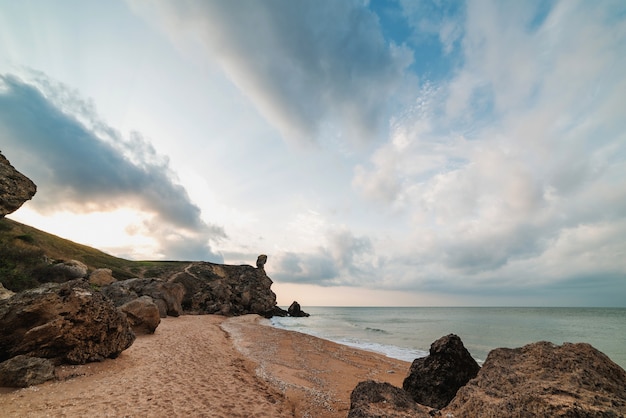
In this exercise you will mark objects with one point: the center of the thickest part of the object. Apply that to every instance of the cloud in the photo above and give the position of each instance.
(345, 259)
(515, 154)
(81, 164)
(310, 67)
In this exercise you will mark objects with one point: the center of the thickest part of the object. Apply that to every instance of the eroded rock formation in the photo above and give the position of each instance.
(67, 323)
(295, 310)
(15, 188)
(537, 380)
(434, 380)
(544, 380)
(372, 399)
(23, 371)
(167, 296)
(226, 289)
(143, 314)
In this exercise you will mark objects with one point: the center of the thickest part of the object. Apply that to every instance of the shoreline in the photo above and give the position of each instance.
(209, 365)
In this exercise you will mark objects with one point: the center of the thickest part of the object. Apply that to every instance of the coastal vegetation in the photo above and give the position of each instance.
(27, 255)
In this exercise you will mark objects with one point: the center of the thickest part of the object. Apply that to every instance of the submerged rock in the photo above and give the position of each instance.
(296, 311)
(65, 323)
(434, 380)
(544, 380)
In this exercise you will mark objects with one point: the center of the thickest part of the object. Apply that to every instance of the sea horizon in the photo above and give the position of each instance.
(406, 332)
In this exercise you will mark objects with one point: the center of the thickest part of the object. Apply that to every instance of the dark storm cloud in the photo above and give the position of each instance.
(81, 164)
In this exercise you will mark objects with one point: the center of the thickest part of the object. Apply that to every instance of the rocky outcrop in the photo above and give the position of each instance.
(382, 400)
(544, 380)
(71, 269)
(65, 323)
(167, 296)
(537, 380)
(226, 289)
(434, 380)
(260, 261)
(295, 310)
(15, 188)
(143, 315)
(23, 371)
(101, 277)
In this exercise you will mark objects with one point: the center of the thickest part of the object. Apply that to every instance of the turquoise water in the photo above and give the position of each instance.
(406, 333)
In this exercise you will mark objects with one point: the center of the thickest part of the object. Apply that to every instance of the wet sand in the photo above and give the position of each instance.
(210, 366)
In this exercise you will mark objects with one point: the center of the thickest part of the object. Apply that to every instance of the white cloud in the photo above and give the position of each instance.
(305, 65)
(514, 155)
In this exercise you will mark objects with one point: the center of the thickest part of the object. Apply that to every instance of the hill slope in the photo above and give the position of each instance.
(26, 254)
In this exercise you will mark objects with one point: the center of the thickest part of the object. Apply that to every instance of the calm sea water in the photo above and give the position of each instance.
(406, 333)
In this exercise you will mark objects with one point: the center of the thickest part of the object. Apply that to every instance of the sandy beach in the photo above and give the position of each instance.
(210, 366)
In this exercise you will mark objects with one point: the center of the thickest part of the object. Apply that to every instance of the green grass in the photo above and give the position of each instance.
(26, 255)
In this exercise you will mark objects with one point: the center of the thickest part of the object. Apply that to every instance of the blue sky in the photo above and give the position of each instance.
(380, 153)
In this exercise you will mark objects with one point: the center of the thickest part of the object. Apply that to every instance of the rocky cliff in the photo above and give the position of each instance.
(15, 188)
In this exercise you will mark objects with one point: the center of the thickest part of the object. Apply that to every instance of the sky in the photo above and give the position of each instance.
(381, 153)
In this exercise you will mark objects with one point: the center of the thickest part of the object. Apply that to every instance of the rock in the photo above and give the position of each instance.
(295, 310)
(260, 261)
(101, 277)
(278, 311)
(64, 323)
(143, 315)
(170, 294)
(434, 380)
(544, 380)
(72, 269)
(382, 400)
(5, 293)
(226, 289)
(23, 371)
(15, 188)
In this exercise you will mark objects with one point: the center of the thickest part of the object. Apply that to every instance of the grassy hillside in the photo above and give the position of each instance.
(26, 254)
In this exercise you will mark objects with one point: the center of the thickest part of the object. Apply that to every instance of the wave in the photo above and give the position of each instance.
(382, 331)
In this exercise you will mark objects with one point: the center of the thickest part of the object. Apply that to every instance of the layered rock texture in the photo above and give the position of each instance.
(226, 289)
(67, 323)
(15, 188)
(544, 380)
(537, 380)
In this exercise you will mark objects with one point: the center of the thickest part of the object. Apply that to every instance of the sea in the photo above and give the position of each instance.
(407, 333)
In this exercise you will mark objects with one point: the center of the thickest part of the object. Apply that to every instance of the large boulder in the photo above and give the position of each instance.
(143, 314)
(226, 289)
(295, 310)
(63, 322)
(372, 399)
(23, 371)
(167, 296)
(434, 380)
(15, 188)
(101, 277)
(71, 269)
(544, 380)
